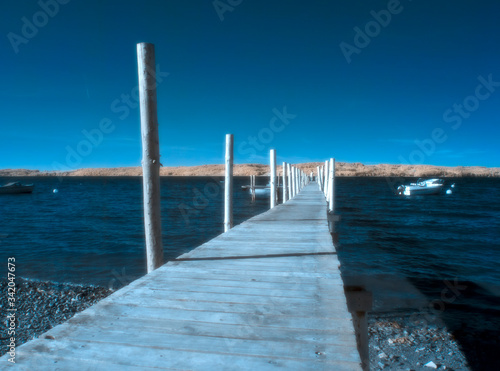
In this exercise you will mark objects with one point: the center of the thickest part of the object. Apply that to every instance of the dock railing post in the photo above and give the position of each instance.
(150, 155)
(325, 180)
(359, 302)
(319, 177)
(252, 187)
(285, 184)
(296, 184)
(331, 186)
(228, 185)
(273, 177)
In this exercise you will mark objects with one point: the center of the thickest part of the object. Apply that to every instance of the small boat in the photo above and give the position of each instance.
(422, 187)
(261, 190)
(16, 187)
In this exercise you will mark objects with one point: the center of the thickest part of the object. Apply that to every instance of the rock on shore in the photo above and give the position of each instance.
(341, 169)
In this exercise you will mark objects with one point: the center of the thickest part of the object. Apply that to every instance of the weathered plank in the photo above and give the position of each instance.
(265, 295)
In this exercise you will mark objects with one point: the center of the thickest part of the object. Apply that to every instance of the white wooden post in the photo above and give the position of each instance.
(285, 183)
(319, 177)
(325, 189)
(252, 186)
(329, 185)
(289, 171)
(322, 177)
(273, 177)
(228, 185)
(150, 155)
(297, 181)
(294, 181)
(332, 186)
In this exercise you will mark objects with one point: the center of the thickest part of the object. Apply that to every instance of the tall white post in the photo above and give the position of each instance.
(228, 185)
(150, 155)
(285, 184)
(325, 188)
(319, 177)
(273, 178)
(252, 186)
(289, 172)
(329, 186)
(297, 181)
(331, 205)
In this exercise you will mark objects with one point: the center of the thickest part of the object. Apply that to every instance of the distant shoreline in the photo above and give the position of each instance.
(342, 169)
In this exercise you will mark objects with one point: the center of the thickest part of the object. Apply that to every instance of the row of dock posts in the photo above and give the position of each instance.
(294, 179)
(359, 301)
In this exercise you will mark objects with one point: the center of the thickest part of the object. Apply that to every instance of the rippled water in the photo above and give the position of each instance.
(441, 237)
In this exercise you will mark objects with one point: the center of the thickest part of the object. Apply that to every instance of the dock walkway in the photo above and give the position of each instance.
(265, 295)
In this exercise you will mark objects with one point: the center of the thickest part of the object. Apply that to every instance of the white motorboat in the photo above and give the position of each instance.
(261, 190)
(422, 187)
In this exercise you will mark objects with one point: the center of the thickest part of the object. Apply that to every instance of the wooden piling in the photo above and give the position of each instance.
(289, 172)
(297, 180)
(331, 190)
(319, 177)
(150, 155)
(228, 185)
(273, 178)
(285, 183)
(252, 186)
(325, 187)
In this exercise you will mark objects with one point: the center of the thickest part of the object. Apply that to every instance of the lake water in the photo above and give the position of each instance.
(436, 254)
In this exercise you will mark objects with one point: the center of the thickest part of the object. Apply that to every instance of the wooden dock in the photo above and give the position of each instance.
(265, 295)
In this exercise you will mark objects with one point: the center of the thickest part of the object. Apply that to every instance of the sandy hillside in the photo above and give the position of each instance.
(342, 169)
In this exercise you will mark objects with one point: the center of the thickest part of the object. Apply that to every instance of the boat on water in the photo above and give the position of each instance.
(422, 187)
(261, 190)
(16, 187)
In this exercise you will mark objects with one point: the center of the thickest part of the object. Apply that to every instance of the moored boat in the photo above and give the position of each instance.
(16, 187)
(261, 190)
(422, 187)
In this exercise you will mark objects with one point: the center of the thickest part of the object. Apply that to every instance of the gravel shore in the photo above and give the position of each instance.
(43, 305)
(397, 341)
(406, 341)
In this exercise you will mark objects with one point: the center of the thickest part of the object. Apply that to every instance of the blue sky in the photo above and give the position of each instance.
(372, 82)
